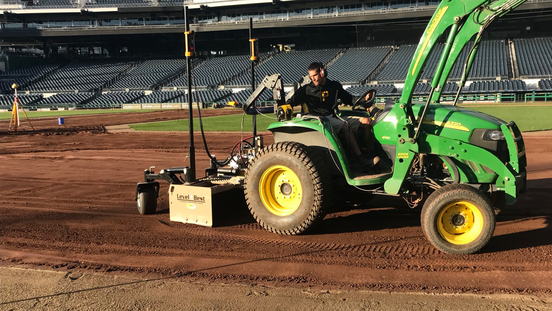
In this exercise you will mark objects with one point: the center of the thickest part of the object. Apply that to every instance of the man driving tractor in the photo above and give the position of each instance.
(321, 98)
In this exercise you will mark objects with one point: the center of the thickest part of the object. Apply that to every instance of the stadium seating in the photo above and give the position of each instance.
(291, 65)
(149, 74)
(23, 77)
(6, 101)
(65, 100)
(158, 97)
(545, 85)
(83, 75)
(489, 63)
(395, 70)
(112, 100)
(534, 57)
(497, 86)
(355, 65)
(216, 70)
(76, 82)
(381, 89)
(424, 88)
(203, 96)
(243, 95)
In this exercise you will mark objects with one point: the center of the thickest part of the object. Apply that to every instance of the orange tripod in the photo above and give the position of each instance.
(14, 120)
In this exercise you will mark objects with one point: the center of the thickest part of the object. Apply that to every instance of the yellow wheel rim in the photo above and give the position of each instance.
(460, 223)
(280, 190)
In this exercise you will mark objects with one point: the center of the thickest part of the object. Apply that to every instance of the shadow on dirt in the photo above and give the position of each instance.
(381, 212)
(520, 240)
(524, 239)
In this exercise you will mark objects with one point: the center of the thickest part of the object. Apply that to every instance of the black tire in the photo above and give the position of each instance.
(147, 201)
(458, 219)
(288, 188)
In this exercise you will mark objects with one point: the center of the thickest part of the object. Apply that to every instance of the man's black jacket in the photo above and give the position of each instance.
(321, 100)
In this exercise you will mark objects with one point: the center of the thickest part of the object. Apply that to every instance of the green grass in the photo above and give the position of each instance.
(527, 117)
(229, 123)
(530, 118)
(65, 113)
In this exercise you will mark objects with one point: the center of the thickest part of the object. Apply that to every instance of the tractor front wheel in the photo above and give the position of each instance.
(288, 188)
(458, 219)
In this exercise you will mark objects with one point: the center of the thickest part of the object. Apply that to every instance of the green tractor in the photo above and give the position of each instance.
(460, 165)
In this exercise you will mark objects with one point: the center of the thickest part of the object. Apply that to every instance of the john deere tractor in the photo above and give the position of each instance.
(460, 166)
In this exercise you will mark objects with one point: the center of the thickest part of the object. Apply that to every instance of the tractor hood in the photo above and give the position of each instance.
(454, 122)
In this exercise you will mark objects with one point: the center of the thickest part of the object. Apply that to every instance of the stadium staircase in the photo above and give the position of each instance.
(164, 85)
(512, 60)
(261, 61)
(338, 55)
(44, 77)
(119, 76)
(381, 65)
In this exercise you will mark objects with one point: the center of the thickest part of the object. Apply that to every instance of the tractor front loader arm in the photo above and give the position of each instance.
(274, 83)
(473, 24)
(463, 19)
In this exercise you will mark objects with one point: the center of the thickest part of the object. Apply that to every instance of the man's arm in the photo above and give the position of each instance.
(298, 98)
(346, 97)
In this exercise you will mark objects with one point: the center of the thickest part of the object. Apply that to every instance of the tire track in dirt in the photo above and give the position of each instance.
(70, 204)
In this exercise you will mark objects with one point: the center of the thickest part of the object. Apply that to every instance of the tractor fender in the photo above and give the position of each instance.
(315, 133)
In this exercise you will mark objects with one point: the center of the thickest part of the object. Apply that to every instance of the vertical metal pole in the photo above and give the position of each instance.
(253, 86)
(191, 174)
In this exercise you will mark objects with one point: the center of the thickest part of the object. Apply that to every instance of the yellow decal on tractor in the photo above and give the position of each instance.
(449, 124)
(438, 16)
(402, 155)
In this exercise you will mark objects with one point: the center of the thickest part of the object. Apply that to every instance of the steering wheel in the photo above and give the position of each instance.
(365, 104)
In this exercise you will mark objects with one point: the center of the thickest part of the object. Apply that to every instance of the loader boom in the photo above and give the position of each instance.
(463, 19)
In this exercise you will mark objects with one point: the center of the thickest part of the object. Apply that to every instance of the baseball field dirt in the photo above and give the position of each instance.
(67, 207)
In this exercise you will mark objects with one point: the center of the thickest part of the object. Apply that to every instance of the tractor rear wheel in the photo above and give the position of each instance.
(288, 188)
(458, 219)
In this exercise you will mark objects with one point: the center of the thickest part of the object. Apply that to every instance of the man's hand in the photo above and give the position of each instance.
(368, 96)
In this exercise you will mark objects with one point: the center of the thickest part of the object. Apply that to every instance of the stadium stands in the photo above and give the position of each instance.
(158, 97)
(216, 70)
(381, 89)
(534, 57)
(489, 63)
(203, 96)
(65, 100)
(6, 101)
(497, 86)
(243, 95)
(83, 75)
(149, 74)
(76, 82)
(355, 65)
(397, 67)
(545, 85)
(291, 65)
(112, 100)
(24, 76)
(424, 88)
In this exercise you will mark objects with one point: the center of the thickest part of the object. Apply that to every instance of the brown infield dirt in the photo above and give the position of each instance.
(67, 203)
